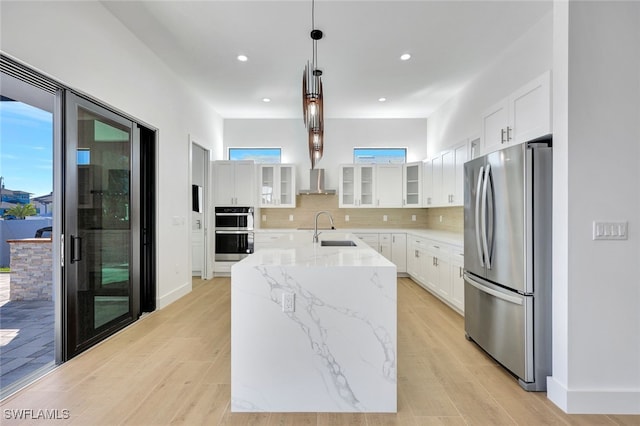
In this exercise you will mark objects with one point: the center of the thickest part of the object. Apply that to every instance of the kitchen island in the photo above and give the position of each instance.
(313, 328)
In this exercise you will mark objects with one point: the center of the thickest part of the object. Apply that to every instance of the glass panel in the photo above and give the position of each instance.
(379, 155)
(285, 184)
(104, 271)
(267, 185)
(259, 155)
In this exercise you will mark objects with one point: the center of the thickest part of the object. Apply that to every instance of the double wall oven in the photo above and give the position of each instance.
(234, 233)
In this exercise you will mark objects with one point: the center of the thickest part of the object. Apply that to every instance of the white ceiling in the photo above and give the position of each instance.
(450, 42)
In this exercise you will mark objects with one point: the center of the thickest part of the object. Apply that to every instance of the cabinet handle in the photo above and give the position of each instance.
(438, 247)
(509, 133)
(403, 202)
(393, 238)
(460, 271)
(502, 135)
(428, 200)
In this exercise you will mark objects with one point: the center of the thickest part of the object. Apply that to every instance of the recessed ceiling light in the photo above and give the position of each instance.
(266, 100)
(243, 58)
(405, 57)
(382, 99)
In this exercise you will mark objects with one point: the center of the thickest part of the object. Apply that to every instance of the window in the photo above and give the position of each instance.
(259, 155)
(379, 155)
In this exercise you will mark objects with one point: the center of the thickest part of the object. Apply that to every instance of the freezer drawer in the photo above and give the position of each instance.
(501, 323)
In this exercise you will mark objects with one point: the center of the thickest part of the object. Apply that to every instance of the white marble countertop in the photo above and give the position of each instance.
(298, 249)
(453, 238)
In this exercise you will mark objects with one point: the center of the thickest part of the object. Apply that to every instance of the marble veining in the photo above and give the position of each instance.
(338, 345)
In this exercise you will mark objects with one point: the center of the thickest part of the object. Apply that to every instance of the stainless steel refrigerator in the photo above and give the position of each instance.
(507, 258)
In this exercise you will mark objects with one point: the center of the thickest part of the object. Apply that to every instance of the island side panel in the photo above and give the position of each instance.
(337, 352)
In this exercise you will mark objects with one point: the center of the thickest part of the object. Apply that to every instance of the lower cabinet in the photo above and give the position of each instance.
(437, 267)
(457, 278)
(393, 246)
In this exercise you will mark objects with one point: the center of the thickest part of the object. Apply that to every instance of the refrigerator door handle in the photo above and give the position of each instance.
(483, 217)
(492, 292)
(477, 214)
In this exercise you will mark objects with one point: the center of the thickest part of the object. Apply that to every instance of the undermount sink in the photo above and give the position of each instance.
(337, 243)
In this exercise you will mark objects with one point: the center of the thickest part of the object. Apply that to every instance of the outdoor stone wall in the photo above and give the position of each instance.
(31, 269)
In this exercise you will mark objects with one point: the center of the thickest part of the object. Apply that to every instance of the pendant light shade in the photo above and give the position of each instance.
(312, 98)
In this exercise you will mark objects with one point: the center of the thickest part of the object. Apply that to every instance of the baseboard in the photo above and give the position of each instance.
(593, 401)
(174, 295)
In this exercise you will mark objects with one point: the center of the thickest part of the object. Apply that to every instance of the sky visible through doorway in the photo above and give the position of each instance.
(26, 148)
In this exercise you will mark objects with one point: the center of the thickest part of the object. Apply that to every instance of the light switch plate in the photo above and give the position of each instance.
(290, 218)
(609, 230)
(288, 302)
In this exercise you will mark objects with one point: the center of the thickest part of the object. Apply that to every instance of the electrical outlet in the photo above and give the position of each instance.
(384, 218)
(264, 217)
(413, 217)
(290, 218)
(346, 218)
(288, 302)
(440, 218)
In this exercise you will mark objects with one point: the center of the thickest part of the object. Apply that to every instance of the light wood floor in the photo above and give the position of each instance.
(173, 367)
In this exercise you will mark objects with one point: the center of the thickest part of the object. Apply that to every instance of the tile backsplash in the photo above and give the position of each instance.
(308, 205)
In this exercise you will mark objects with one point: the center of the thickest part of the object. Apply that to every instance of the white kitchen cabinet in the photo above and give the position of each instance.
(265, 240)
(437, 267)
(522, 116)
(370, 238)
(277, 185)
(412, 184)
(393, 246)
(444, 177)
(384, 246)
(234, 183)
(457, 280)
(388, 185)
(416, 259)
(433, 182)
(453, 175)
(399, 251)
(357, 185)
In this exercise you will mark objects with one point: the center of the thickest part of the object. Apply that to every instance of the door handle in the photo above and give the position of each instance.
(477, 216)
(76, 249)
(483, 218)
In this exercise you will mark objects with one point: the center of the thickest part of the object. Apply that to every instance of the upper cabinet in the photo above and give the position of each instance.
(277, 185)
(412, 184)
(234, 183)
(520, 117)
(379, 185)
(388, 184)
(357, 185)
(444, 176)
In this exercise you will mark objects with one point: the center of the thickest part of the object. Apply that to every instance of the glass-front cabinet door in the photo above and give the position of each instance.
(287, 183)
(366, 185)
(277, 185)
(101, 237)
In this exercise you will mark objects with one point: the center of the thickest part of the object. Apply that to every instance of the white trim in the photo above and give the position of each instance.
(587, 401)
(167, 299)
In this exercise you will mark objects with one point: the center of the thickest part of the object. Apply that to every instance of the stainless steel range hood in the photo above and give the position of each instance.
(316, 184)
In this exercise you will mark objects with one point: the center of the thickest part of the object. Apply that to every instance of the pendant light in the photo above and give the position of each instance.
(312, 102)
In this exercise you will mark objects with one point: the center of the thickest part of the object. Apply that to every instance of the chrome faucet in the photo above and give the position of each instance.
(315, 227)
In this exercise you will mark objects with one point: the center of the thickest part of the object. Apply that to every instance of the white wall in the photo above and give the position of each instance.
(596, 332)
(85, 47)
(526, 58)
(341, 136)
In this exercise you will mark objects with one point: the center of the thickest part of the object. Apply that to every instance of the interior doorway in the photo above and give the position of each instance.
(200, 245)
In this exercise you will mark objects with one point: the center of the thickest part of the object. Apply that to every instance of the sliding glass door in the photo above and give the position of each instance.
(102, 235)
